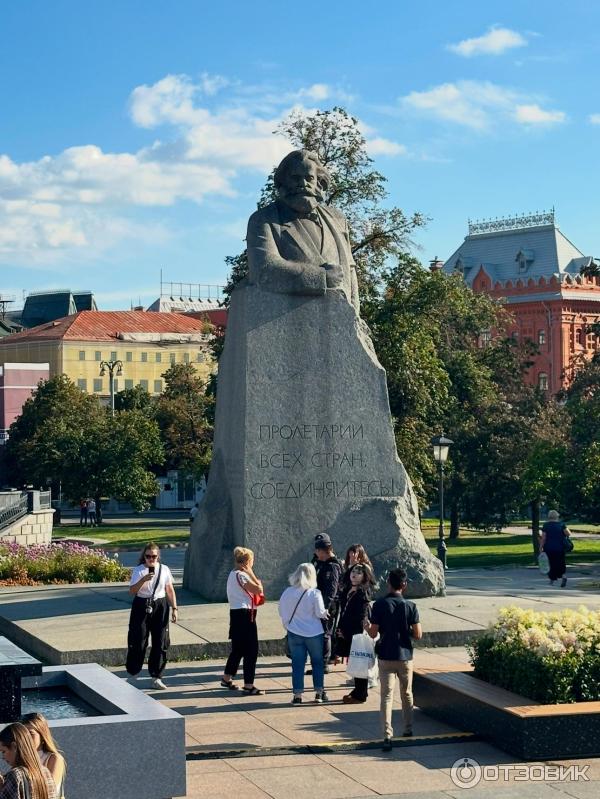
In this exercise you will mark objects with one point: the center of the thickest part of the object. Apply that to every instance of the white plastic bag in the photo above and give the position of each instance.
(362, 658)
(374, 675)
(543, 563)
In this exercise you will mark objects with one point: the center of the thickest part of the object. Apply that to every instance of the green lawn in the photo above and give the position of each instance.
(130, 536)
(476, 550)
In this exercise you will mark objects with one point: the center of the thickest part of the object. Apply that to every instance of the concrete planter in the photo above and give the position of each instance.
(518, 725)
(136, 748)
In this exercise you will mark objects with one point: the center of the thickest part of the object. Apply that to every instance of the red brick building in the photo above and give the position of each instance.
(532, 267)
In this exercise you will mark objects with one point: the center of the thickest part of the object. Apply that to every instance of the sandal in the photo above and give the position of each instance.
(254, 691)
(230, 685)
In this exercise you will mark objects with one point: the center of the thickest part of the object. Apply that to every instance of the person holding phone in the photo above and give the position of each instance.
(154, 596)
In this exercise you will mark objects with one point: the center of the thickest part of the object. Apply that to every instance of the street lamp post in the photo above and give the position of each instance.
(112, 367)
(441, 446)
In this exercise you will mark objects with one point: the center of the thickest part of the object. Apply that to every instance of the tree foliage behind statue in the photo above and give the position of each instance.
(66, 437)
(377, 232)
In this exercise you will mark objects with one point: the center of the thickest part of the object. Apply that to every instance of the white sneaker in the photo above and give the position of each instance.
(158, 684)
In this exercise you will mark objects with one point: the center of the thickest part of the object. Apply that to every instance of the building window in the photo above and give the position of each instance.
(172, 358)
(144, 384)
(158, 357)
(113, 356)
(129, 356)
(128, 384)
(97, 384)
(543, 381)
(541, 337)
(200, 357)
(522, 265)
(485, 338)
(158, 386)
(144, 357)
(515, 335)
(186, 357)
(82, 384)
(98, 355)
(82, 355)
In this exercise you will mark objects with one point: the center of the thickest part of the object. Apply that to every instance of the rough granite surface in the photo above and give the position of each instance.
(304, 443)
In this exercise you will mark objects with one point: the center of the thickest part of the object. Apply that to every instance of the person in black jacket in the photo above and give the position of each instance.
(354, 612)
(329, 574)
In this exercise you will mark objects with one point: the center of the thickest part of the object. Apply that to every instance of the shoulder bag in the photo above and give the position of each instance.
(150, 600)
(288, 653)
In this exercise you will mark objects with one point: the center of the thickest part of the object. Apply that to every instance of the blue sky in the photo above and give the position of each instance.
(136, 136)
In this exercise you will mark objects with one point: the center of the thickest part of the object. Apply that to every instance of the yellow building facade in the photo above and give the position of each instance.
(147, 345)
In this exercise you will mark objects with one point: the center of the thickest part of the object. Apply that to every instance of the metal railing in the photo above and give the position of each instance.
(14, 509)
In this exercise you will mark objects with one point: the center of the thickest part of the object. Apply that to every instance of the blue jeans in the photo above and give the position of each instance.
(299, 646)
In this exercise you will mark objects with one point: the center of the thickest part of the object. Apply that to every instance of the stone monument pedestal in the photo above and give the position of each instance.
(304, 443)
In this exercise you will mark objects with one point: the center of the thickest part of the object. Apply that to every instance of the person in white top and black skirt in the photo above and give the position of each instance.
(154, 596)
(245, 594)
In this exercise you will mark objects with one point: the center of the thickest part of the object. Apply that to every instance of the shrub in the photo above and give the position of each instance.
(61, 562)
(548, 657)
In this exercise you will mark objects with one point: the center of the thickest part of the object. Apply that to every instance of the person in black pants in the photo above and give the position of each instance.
(354, 612)
(243, 590)
(329, 575)
(152, 587)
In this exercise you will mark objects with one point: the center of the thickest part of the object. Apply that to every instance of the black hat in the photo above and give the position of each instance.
(322, 541)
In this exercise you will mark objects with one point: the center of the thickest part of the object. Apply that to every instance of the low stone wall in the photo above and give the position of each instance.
(35, 528)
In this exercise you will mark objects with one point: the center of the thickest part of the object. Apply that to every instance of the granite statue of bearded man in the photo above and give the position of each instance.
(298, 245)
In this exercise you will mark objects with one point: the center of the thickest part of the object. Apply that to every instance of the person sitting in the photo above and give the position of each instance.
(354, 612)
(46, 749)
(26, 778)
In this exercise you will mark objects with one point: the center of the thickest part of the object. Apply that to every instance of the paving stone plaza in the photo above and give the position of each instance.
(262, 747)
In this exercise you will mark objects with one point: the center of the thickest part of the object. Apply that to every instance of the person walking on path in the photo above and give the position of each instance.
(193, 512)
(302, 612)
(354, 612)
(46, 749)
(329, 575)
(553, 544)
(91, 509)
(83, 513)
(243, 590)
(154, 596)
(397, 621)
(27, 778)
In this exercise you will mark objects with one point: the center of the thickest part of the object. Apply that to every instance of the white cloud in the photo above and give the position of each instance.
(594, 119)
(478, 104)
(495, 42)
(532, 114)
(316, 92)
(381, 146)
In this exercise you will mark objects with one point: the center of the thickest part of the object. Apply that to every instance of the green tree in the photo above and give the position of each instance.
(183, 413)
(65, 436)
(136, 398)
(583, 467)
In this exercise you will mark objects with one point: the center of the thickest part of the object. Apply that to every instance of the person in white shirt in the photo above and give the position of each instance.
(243, 590)
(301, 610)
(152, 587)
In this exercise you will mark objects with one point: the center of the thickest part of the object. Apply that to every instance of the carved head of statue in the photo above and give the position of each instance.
(301, 180)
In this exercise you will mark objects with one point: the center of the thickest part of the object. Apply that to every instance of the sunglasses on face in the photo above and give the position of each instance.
(151, 557)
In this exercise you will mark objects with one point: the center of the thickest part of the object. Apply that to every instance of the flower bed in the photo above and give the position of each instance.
(552, 658)
(61, 562)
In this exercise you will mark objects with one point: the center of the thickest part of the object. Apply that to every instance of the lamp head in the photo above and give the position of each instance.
(441, 445)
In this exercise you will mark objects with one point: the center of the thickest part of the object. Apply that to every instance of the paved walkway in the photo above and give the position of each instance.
(54, 622)
(263, 748)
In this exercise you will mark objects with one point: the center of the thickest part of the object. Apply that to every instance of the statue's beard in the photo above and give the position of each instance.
(301, 202)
